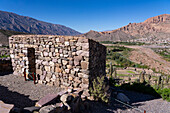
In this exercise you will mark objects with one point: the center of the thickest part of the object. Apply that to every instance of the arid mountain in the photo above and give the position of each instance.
(157, 27)
(108, 36)
(153, 29)
(14, 22)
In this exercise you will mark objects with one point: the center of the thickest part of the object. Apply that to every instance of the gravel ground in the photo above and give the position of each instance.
(14, 90)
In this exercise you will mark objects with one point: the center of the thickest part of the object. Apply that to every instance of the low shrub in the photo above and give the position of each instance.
(165, 93)
(4, 56)
(98, 89)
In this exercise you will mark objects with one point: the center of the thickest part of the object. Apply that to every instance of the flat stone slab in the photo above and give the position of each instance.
(48, 98)
(5, 108)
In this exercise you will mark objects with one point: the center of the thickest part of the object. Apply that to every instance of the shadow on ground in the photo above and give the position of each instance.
(19, 100)
(5, 73)
(98, 107)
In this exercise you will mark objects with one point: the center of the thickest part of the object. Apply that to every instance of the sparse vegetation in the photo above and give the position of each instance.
(4, 56)
(124, 75)
(165, 93)
(119, 55)
(131, 72)
(164, 53)
(123, 43)
(98, 90)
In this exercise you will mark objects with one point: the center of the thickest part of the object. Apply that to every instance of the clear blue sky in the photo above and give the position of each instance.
(85, 15)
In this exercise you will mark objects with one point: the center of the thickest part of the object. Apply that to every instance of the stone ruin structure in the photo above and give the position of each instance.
(63, 61)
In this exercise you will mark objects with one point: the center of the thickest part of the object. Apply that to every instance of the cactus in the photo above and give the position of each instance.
(98, 90)
(129, 79)
(115, 73)
(111, 69)
(155, 82)
(158, 82)
(142, 77)
(162, 82)
(167, 79)
(149, 79)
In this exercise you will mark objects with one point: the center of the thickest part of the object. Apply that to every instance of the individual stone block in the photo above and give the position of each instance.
(58, 70)
(67, 70)
(77, 79)
(69, 66)
(70, 78)
(77, 60)
(66, 43)
(82, 75)
(64, 62)
(84, 86)
(39, 71)
(84, 64)
(47, 68)
(85, 81)
(51, 63)
(45, 63)
(82, 53)
(45, 54)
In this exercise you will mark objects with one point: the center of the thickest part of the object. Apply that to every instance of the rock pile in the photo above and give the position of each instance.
(63, 102)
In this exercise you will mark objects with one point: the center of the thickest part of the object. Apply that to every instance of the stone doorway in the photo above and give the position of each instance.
(31, 61)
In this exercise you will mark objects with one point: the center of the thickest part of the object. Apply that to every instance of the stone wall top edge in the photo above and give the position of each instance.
(47, 36)
(97, 43)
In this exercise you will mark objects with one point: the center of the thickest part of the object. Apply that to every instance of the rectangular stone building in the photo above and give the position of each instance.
(63, 61)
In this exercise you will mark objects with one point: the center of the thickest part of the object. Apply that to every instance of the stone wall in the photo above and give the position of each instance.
(63, 61)
(5, 65)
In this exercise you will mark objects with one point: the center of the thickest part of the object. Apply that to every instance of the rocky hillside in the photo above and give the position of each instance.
(14, 22)
(157, 27)
(153, 29)
(108, 36)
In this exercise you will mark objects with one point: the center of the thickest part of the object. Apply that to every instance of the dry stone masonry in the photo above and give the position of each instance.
(63, 61)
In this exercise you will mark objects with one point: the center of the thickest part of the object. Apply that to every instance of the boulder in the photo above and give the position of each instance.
(5, 108)
(49, 99)
(48, 109)
(122, 97)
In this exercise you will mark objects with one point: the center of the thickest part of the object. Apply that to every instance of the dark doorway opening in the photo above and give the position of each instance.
(31, 61)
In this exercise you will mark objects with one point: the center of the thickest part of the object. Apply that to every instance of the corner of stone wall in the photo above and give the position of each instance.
(97, 60)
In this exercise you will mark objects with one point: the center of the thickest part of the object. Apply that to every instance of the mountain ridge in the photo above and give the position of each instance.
(15, 22)
(154, 28)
